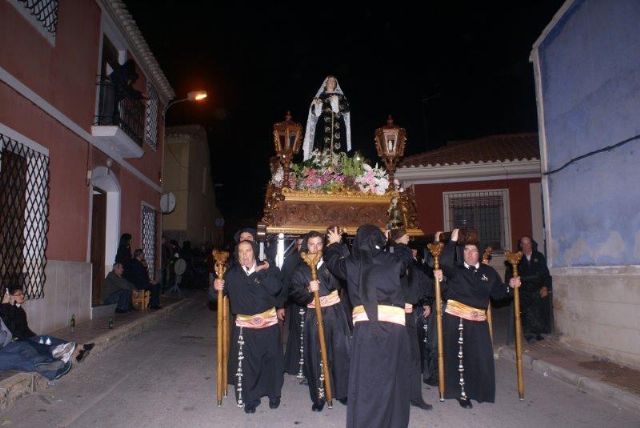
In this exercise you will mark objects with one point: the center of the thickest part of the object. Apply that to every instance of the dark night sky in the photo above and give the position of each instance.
(445, 72)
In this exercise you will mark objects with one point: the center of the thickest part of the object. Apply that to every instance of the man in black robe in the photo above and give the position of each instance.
(468, 353)
(379, 367)
(336, 327)
(252, 291)
(535, 294)
(417, 286)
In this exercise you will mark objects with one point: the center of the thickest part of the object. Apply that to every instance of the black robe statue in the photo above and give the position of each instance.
(336, 330)
(331, 131)
(262, 365)
(472, 287)
(378, 390)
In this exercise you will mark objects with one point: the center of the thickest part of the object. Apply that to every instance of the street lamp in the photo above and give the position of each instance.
(390, 142)
(193, 96)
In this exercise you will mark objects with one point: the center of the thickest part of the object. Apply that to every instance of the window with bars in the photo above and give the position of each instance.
(486, 211)
(149, 239)
(45, 12)
(24, 194)
(151, 118)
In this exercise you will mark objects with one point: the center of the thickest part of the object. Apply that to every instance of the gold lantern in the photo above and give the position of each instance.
(390, 143)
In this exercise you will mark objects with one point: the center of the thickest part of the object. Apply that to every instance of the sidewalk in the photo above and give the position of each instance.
(14, 385)
(616, 384)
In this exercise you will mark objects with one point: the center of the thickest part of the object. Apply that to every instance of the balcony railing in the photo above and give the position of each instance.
(119, 106)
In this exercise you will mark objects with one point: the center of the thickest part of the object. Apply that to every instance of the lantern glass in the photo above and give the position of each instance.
(390, 141)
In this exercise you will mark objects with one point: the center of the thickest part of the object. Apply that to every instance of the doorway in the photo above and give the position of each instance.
(98, 242)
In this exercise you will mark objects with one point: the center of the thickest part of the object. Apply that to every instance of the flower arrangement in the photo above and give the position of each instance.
(326, 172)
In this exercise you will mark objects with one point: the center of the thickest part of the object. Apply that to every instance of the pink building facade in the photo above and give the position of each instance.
(80, 163)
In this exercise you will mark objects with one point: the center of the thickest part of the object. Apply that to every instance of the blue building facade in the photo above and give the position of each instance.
(587, 70)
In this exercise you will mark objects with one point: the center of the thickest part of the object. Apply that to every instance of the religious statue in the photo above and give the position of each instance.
(329, 121)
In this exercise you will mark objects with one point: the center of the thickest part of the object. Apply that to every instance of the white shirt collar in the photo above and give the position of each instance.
(319, 264)
(249, 271)
(467, 265)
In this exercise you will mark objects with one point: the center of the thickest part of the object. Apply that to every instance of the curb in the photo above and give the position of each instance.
(618, 396)
(23, 384)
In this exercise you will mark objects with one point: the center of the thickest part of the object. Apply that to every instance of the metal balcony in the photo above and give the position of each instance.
(120, 120)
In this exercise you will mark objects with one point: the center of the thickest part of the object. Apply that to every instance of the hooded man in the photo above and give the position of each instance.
(379, 373)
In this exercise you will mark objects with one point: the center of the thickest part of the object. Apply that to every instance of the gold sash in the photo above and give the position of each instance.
(325, 301)
(466, 312)
(261, 320)
(386, 313)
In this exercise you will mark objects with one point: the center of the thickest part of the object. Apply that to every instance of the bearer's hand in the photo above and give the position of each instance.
(436, 237)
(515, 282)
(437, 273)
(7, 297)
(262, 266)
(280, 313)
(426, 311)
(544, 292)
(454, 235)
(333, 236)
(218, 284)
(314, 286)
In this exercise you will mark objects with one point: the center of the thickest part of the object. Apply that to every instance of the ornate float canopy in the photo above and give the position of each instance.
(335, 189)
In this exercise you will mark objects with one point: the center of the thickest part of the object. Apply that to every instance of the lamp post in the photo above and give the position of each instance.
(390, 142)
(287, 139)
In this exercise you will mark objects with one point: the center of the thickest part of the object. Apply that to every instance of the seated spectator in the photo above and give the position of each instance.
(23, 356)
(117, 289)
(136, 272)
(14, 318)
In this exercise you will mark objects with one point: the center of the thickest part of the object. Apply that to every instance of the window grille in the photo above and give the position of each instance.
(486, 211)
(24, 212)
(45, 12)
(151, 118)
(149, 239)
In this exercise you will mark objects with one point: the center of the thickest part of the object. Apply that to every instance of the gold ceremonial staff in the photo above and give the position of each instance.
(312, 261)
(514, 259)
(436, 249)
(222, 338)
(486, 255)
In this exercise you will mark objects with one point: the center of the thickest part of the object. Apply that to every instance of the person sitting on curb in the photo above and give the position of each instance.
(136, 272)
(117, 289)
(24, 356)
(15, 319)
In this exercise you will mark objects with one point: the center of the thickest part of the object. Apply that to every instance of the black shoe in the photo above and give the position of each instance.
(250, 407)
(317, 407)
(121, 311)
(465, 403)
(539, 337)
(343, 400)
(88, 346)
(155, 307)
(422, 405)
(530, 339)
(274, 403)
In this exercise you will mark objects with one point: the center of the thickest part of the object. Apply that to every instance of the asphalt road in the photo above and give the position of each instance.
(165, 377)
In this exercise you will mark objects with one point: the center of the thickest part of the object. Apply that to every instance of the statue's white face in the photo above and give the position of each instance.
(331, 84)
